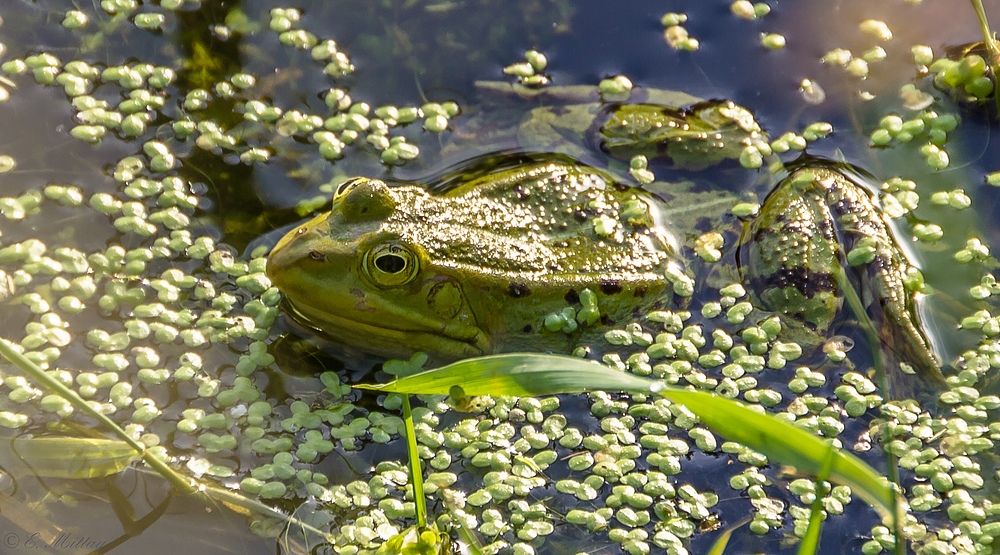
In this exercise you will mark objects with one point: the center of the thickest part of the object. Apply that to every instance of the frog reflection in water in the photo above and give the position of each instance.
(492, 264)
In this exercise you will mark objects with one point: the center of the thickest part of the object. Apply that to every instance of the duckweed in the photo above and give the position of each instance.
(772, 41)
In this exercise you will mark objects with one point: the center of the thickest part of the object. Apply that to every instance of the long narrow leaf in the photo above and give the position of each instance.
(34, 372)
(787, 444)
(523, 374)
(516, 374)
(720, 544)
(416, 474)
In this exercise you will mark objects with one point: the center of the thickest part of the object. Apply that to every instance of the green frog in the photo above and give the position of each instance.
(540, 248)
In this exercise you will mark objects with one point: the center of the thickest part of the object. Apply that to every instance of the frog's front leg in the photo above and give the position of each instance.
(819, 239)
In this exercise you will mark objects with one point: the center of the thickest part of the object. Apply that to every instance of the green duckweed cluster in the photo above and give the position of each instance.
(530, 71)
(135, 298)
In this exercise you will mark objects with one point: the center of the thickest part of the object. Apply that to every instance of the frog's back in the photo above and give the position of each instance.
(556, 220)
(531, 239)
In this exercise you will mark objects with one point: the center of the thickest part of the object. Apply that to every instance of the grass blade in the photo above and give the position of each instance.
(416, 474)
(184, 484)
(516, 374)
(522, 374)
(719, 547)
(789, 445)
(810, 542)
(34, 372)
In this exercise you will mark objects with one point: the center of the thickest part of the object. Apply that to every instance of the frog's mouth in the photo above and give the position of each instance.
(442, 341)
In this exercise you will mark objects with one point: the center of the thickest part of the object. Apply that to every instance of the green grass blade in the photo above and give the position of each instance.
(233, 500)
(516, 374)
(470, 545)
(810, 542)
(722, 542)
(789, 445)
(74, 457)
(416, 474)
(719, 547)
(522, 374)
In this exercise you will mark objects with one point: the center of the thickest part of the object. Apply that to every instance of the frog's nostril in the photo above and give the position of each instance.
(316, 255)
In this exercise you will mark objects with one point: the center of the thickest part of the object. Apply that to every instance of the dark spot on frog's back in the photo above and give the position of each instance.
(572, 297)
(640, 292)
(518, 290)
(611, 286)
(808, 283)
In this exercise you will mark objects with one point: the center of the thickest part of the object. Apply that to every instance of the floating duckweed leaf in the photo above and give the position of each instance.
(524, 374)
(74, 457)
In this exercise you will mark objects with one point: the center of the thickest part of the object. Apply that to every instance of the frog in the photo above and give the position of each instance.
(821, 241)
(538, 246)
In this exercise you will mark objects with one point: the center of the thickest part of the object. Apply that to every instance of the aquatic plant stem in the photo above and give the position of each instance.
(810, 542)
(858, 308)
(416, 475)
(991, 46)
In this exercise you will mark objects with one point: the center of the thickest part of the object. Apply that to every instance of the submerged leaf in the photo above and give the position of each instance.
(720, 544)
(74, 457)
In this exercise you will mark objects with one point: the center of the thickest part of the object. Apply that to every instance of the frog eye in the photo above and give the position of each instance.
(346, 187)
(391, 264)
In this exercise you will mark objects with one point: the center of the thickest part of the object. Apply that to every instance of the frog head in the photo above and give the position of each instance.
(351, 274)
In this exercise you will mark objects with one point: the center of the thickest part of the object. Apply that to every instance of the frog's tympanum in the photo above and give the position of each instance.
(541, 252)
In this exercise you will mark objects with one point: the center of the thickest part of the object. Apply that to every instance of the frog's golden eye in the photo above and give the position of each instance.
(346, 187)
(391, 264)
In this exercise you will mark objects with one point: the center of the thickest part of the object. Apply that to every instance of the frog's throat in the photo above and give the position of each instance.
(447, 341)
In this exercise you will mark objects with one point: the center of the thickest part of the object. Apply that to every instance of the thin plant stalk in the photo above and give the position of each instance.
(416, 474)
(857, 307)
(810, 542)
(991, 46)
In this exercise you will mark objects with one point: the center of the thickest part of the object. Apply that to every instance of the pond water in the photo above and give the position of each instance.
(154, 152)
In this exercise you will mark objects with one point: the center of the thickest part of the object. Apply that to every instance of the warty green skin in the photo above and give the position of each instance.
(795, 259)
(479, 267)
